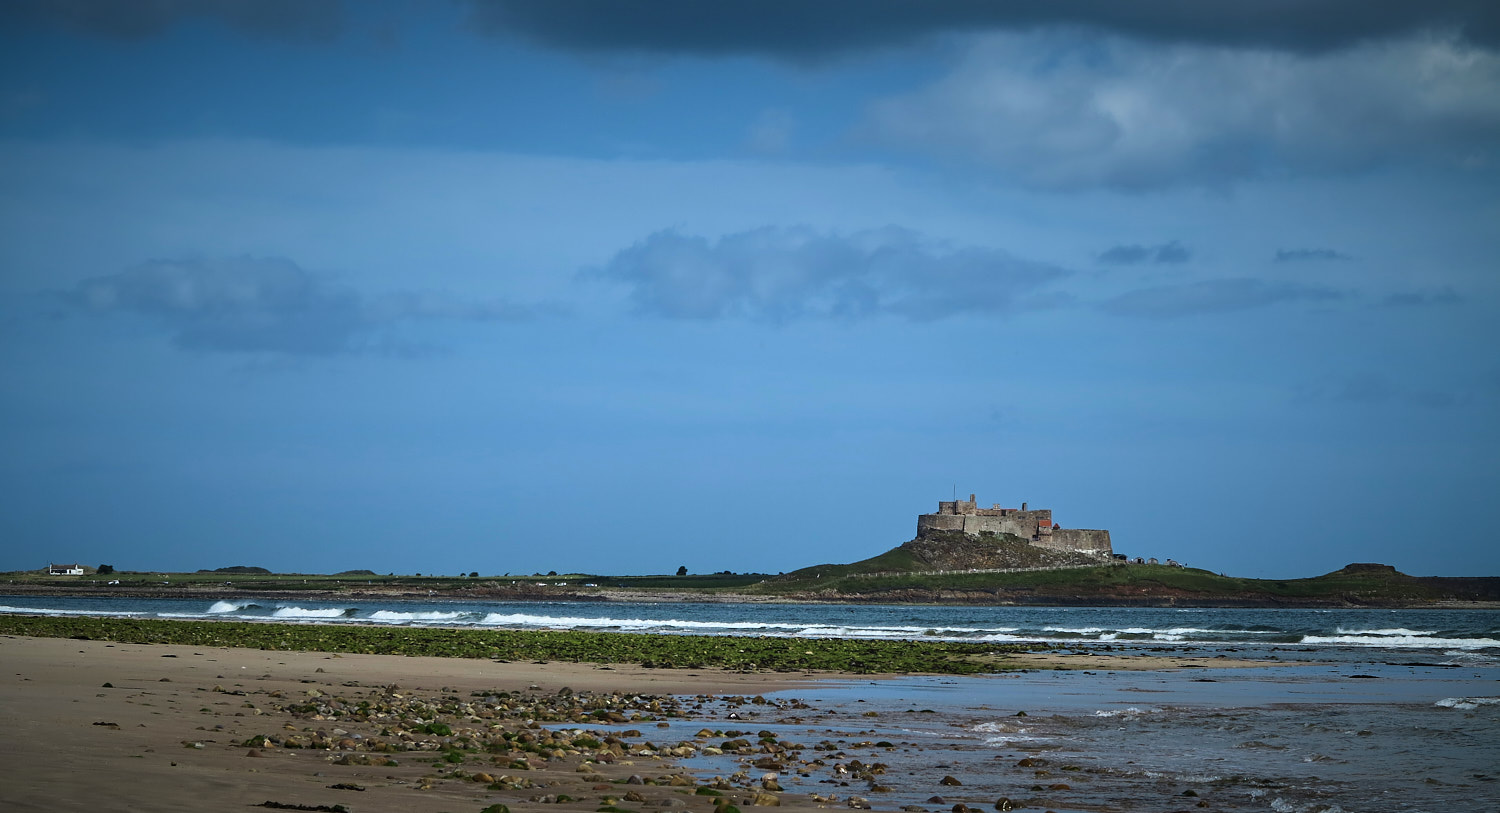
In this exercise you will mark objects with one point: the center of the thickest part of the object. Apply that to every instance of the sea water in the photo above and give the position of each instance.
(1303, 738)
(1444, 633)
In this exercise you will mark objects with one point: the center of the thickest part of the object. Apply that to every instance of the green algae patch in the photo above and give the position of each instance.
(652, 651)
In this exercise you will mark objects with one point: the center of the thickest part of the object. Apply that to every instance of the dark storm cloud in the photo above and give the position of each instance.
(1137, 116)
(800, 29)
(1173, 252)
(780, 274)
(138, 19)
(1299, 255)
(251, 305)
(1212, 296)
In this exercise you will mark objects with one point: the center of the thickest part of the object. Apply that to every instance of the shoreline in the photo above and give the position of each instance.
(671, 596)
(105, 725)
(114, 726)
(100, 725)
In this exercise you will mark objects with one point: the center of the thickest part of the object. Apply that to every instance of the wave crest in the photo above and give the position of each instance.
(304, 612)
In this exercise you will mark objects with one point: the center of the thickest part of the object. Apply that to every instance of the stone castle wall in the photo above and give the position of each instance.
(1079, 539)
(1024, 524)
(1035, 525)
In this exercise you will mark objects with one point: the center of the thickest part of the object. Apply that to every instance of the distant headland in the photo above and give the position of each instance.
(962, 554)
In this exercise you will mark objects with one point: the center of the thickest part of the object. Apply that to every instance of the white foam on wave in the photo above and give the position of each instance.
(1467, 703)
(1402, 641)
(1394, 631)
(1472, 659)
(1158, 634)
(853, 632)
(526, 620)
(1194, 778)
(957, 630)
(1007, 739)
(1206, 632)
(1003, 733)
(49, 611)
(1127, 712)
(391, 616)
(227, 606)
(303, 612)
(1281, 805)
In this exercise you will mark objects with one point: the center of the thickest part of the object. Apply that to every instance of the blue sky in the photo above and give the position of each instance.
(618, 287)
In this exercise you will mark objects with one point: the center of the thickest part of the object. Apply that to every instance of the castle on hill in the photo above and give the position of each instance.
(1034, 525)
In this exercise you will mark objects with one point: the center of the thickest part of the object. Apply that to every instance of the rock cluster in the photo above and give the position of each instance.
(580, 748)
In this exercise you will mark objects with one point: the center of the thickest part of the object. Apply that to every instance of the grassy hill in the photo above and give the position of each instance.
(944, 551)
(952, 567)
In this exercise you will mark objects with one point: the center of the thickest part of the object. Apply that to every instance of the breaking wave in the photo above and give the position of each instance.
(1402, 641)
(232, 607)
(303, 612)
(392, 616)
(668, 625)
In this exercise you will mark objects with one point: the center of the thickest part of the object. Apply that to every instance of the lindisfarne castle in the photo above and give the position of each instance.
(1035, 525)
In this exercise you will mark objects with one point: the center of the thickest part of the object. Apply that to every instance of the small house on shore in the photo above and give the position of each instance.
(64, 570)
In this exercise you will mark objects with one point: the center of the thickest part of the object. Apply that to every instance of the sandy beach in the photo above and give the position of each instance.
(166, 733)
(101, 726)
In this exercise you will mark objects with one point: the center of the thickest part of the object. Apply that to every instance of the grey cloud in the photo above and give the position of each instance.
(806, 31)
(1419, 299)
(780, 274)
(250, 305)
(1172, 252)
(1061, 113)
(1212, 296)
(139, 19)
(1298, 255)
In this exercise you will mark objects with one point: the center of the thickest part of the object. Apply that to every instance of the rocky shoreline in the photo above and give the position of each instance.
(113, 726)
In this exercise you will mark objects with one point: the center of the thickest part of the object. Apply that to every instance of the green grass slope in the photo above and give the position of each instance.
(898, 576)
(943, 551)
